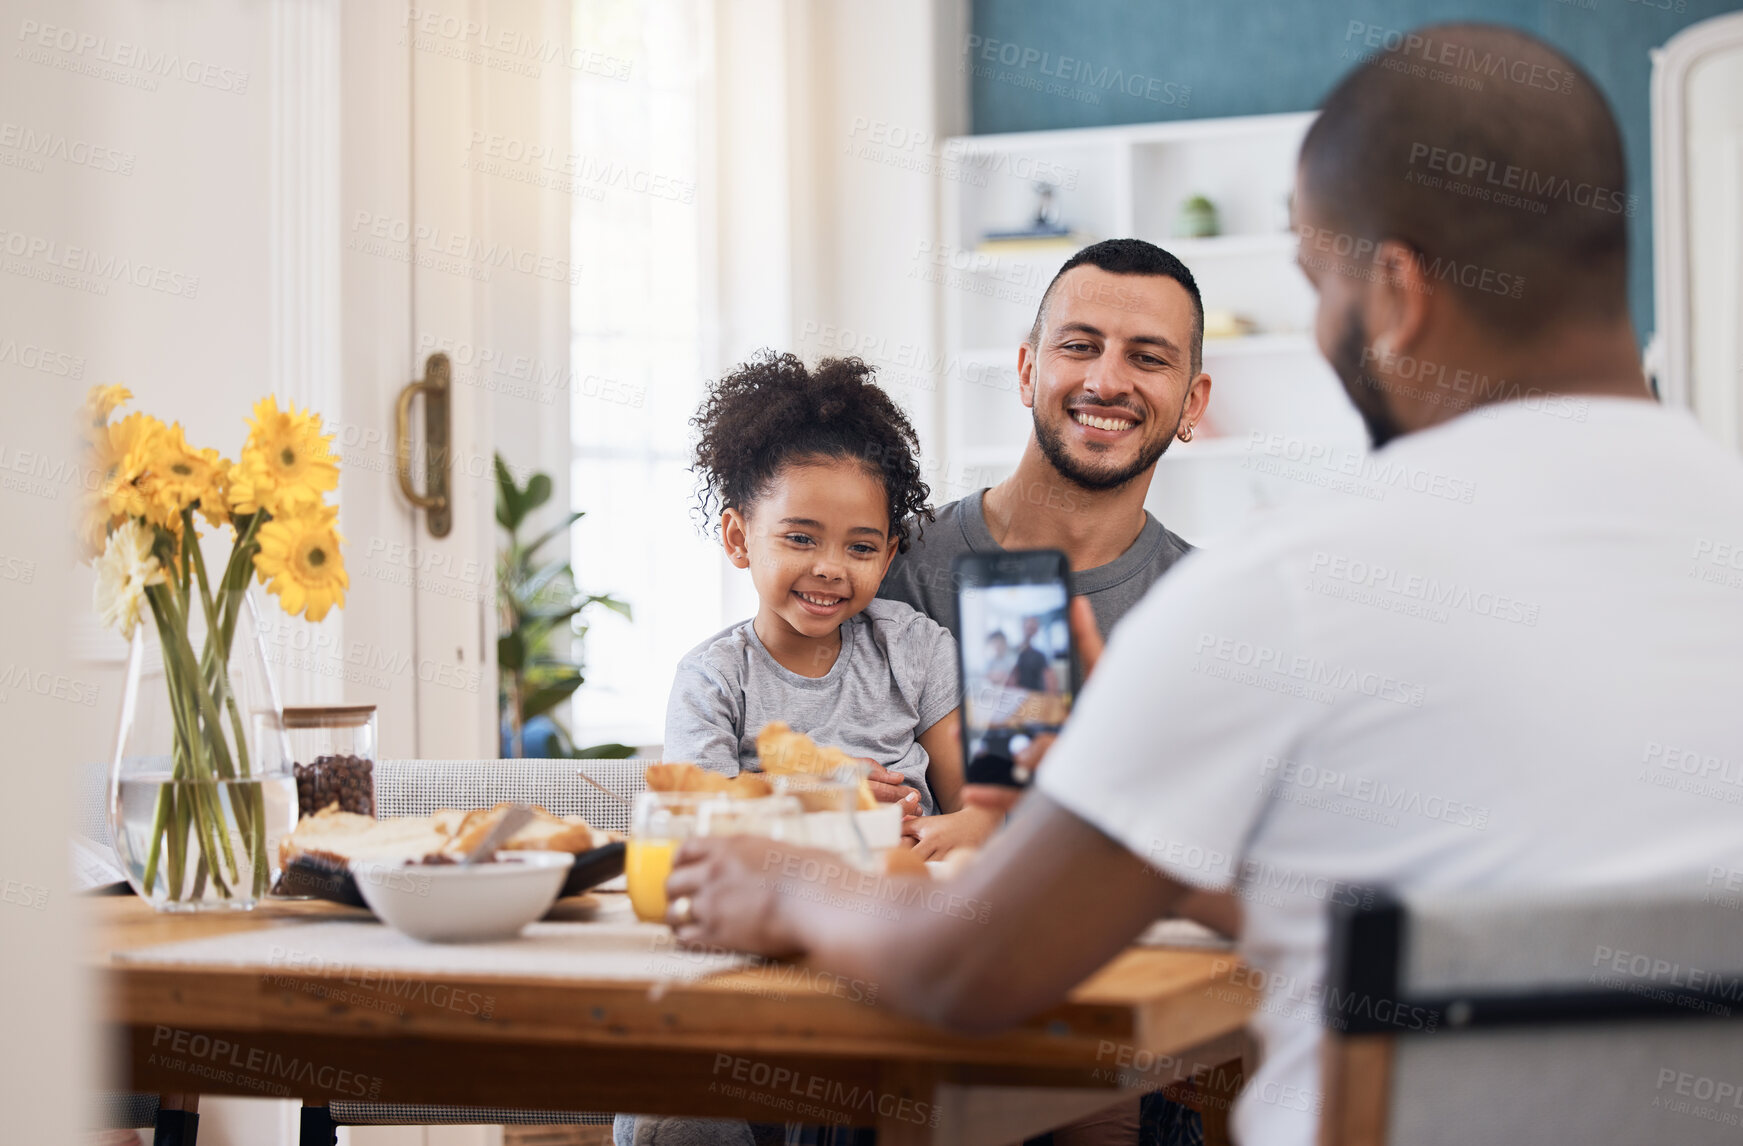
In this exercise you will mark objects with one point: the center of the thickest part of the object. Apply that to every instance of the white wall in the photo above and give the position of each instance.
(171, 180)
(820, 215)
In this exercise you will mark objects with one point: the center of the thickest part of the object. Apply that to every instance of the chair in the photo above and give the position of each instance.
(1603, 1019)
(419, 787)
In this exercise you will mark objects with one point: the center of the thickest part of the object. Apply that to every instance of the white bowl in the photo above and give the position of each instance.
(447, 903)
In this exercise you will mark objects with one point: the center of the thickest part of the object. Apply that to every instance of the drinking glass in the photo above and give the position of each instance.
(662, 821)
(764, 816)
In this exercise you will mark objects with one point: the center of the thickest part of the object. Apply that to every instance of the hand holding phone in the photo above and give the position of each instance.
(1016, 656)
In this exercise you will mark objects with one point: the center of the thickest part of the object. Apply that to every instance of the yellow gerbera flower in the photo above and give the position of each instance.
(122, 454)
(300, 555)
(100, 402)
(126, 567)
(215, 502)
(182, 476)
(287, 464)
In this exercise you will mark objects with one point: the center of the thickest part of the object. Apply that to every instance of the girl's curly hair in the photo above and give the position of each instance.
(772, 411)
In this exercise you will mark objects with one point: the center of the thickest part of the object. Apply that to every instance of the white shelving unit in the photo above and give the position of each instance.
(1115, 182)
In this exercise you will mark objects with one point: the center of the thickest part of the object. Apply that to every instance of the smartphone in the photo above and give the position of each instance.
(1015, 656)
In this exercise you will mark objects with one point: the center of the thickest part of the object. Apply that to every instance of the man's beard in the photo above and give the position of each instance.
(1364, 393)
(1052, 443)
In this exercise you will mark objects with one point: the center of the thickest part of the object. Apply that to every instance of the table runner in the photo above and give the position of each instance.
(613, 946)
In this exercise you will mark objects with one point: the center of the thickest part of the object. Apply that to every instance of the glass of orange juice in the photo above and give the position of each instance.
(662, 821)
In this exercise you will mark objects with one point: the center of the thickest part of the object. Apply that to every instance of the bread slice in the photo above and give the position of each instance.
(543, 833)
(340, 837)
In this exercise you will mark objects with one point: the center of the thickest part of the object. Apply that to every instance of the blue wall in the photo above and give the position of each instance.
(1249, 57)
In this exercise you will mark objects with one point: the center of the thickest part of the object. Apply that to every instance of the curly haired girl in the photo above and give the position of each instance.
(811, 478)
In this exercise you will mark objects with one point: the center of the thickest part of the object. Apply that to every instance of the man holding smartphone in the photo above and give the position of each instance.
(1181, 766)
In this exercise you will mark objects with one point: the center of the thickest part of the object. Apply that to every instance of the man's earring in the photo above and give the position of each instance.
(1185, 432)
(1383, 346)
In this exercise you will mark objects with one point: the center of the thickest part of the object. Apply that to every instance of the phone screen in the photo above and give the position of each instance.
(1016, 672)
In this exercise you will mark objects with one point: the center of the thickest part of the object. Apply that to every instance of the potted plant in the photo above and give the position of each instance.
(540, 622)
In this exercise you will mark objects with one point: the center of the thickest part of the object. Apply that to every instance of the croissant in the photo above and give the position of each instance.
(685, 777)
(785, 752)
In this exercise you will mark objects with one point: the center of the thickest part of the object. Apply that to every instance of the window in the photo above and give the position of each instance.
(640, 231)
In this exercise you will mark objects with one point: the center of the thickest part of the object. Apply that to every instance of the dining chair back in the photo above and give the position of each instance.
(419, 787)
(1607, 1019)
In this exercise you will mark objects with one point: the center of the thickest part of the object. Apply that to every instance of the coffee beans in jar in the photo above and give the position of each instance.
(346, 780)
(333, 754)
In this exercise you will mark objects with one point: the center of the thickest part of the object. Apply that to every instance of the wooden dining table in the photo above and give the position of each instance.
(768, 1043)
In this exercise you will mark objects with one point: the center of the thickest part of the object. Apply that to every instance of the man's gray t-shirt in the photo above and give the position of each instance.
(894, 678)
(921, 577)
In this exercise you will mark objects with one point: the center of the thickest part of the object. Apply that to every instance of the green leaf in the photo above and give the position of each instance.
(511, 649)
(548, 697)
(509, 510)
(612, 603)
(552, 615)
(537, 493)
(605, 752)
(539, 541)
(534, 633)
(533, 586)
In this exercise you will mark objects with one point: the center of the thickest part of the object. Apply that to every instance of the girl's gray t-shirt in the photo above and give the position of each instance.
(923, 578)
(895, 677)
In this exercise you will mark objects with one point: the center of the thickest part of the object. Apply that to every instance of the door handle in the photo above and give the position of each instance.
(434, 386)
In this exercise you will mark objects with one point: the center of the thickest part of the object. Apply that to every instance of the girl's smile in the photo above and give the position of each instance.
(817, 544)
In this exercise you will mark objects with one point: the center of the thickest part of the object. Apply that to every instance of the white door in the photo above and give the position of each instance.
(1697, 174)
(452, 122)
(439, 257)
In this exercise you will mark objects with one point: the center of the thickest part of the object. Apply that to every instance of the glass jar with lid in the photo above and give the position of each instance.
(333, 749)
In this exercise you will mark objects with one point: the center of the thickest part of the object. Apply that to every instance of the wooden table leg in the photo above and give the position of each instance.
(1218, 1089)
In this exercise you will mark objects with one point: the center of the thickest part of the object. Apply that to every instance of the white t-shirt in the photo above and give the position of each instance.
(1506, 653)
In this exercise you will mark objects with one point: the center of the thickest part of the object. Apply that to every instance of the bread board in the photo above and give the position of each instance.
(321, 878)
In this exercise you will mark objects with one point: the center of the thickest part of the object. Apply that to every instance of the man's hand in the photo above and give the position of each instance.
(734, 885)
(891, 787)
(1022, 934)
(1000, 798)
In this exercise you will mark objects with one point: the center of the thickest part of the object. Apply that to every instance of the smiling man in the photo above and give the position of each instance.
(1112, 372)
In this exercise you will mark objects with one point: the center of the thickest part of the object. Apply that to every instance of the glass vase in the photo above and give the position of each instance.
(201, 789)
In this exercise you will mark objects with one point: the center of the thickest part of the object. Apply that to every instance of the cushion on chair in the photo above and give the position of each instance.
(410, 1114)
(91, 802)
(118, 1111)
(419, 787)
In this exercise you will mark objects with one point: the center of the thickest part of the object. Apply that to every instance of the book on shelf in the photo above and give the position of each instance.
(1032, 242)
